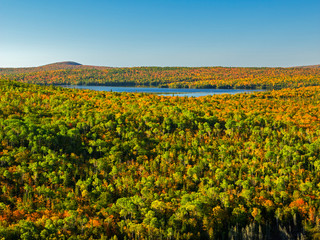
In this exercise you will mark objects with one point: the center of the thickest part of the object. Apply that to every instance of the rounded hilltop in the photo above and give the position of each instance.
(57, 66)
(66, 63)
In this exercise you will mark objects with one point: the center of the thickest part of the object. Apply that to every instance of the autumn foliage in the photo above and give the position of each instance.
(80, 164)
(172, 77)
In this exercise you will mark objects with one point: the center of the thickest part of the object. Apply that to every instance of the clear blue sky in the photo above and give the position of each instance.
(160, 33)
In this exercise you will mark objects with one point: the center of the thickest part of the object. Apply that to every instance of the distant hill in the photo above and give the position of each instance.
(50, 67)
(309, 66)
(74, 65)
(67, 63)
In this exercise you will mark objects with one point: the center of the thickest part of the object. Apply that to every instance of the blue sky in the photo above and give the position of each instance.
(160, 33)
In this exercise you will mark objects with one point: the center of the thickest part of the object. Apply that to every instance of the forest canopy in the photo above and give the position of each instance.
(80, 164)
(172, 77)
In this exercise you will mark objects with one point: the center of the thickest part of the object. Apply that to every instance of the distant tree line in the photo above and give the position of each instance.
(172, 77)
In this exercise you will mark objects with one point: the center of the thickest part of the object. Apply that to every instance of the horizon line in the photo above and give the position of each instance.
(73, 63)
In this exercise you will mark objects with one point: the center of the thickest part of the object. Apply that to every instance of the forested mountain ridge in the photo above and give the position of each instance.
(172, 77)
(79, 164)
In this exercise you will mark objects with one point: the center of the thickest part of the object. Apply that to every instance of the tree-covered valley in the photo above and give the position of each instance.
(80, 164)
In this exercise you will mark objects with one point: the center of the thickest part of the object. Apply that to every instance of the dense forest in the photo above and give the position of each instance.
(172, 77)
(80, 164)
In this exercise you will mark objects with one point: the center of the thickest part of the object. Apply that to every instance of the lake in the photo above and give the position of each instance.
(181, 92)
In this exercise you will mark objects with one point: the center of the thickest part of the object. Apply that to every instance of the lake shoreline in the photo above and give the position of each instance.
(189, 92)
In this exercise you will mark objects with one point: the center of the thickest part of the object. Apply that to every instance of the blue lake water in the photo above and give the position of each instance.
(181, 92)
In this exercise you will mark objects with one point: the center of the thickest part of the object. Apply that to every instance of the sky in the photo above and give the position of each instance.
(119, 33)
